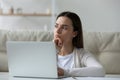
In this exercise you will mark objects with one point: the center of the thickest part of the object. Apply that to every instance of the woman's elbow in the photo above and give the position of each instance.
(100, 72)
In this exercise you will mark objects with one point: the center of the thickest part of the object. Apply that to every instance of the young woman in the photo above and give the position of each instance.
(73, 59)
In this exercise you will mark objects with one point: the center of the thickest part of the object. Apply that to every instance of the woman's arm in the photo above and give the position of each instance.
(92, 68)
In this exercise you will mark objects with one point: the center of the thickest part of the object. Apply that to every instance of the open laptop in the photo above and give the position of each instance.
(32, 59)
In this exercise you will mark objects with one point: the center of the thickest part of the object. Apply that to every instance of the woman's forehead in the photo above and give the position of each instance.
(63, 20)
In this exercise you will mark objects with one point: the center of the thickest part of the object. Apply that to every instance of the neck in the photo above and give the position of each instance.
(65, 50)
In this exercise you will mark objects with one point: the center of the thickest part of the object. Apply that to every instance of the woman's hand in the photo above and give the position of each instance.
(58, 43)
(60, 72)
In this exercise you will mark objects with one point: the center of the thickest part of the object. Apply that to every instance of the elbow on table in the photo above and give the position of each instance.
(99, 72)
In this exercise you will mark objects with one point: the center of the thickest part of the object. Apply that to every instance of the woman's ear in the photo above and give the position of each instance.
(75, 33)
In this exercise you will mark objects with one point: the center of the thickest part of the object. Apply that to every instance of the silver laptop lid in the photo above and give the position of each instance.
(32, 59)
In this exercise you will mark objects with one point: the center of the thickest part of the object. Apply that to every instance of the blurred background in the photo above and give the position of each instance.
(96, 15)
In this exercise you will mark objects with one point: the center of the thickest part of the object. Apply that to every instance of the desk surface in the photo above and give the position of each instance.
(5, 76)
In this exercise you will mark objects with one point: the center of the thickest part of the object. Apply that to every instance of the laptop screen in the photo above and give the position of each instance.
(32, 59)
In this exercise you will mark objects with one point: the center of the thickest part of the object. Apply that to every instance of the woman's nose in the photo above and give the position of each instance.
(58, 30)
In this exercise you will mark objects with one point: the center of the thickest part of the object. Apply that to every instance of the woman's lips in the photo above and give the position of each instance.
(57, 36)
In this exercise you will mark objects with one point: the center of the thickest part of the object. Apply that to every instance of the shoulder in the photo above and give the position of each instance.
(81, 56)
(83, 51)
(84, 54)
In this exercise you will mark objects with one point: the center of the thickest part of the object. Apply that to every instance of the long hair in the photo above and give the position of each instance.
(77, 26)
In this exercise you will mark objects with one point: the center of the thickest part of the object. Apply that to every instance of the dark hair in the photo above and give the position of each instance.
(77, 26)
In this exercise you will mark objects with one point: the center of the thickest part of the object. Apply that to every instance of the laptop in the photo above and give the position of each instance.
(32, 59)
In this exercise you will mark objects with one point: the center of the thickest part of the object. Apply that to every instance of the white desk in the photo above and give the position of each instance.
(5, 76)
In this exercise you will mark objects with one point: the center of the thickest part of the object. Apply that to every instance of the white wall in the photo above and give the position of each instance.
(25, 22)
(96, 15)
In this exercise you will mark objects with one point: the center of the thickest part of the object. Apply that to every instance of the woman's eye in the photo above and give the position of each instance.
(56, 26)
(65, 27)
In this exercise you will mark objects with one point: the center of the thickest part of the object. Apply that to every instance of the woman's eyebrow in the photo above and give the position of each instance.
(65, 25)
(62, 24)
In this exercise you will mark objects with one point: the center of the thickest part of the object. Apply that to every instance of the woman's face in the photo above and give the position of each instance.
(64, 29)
